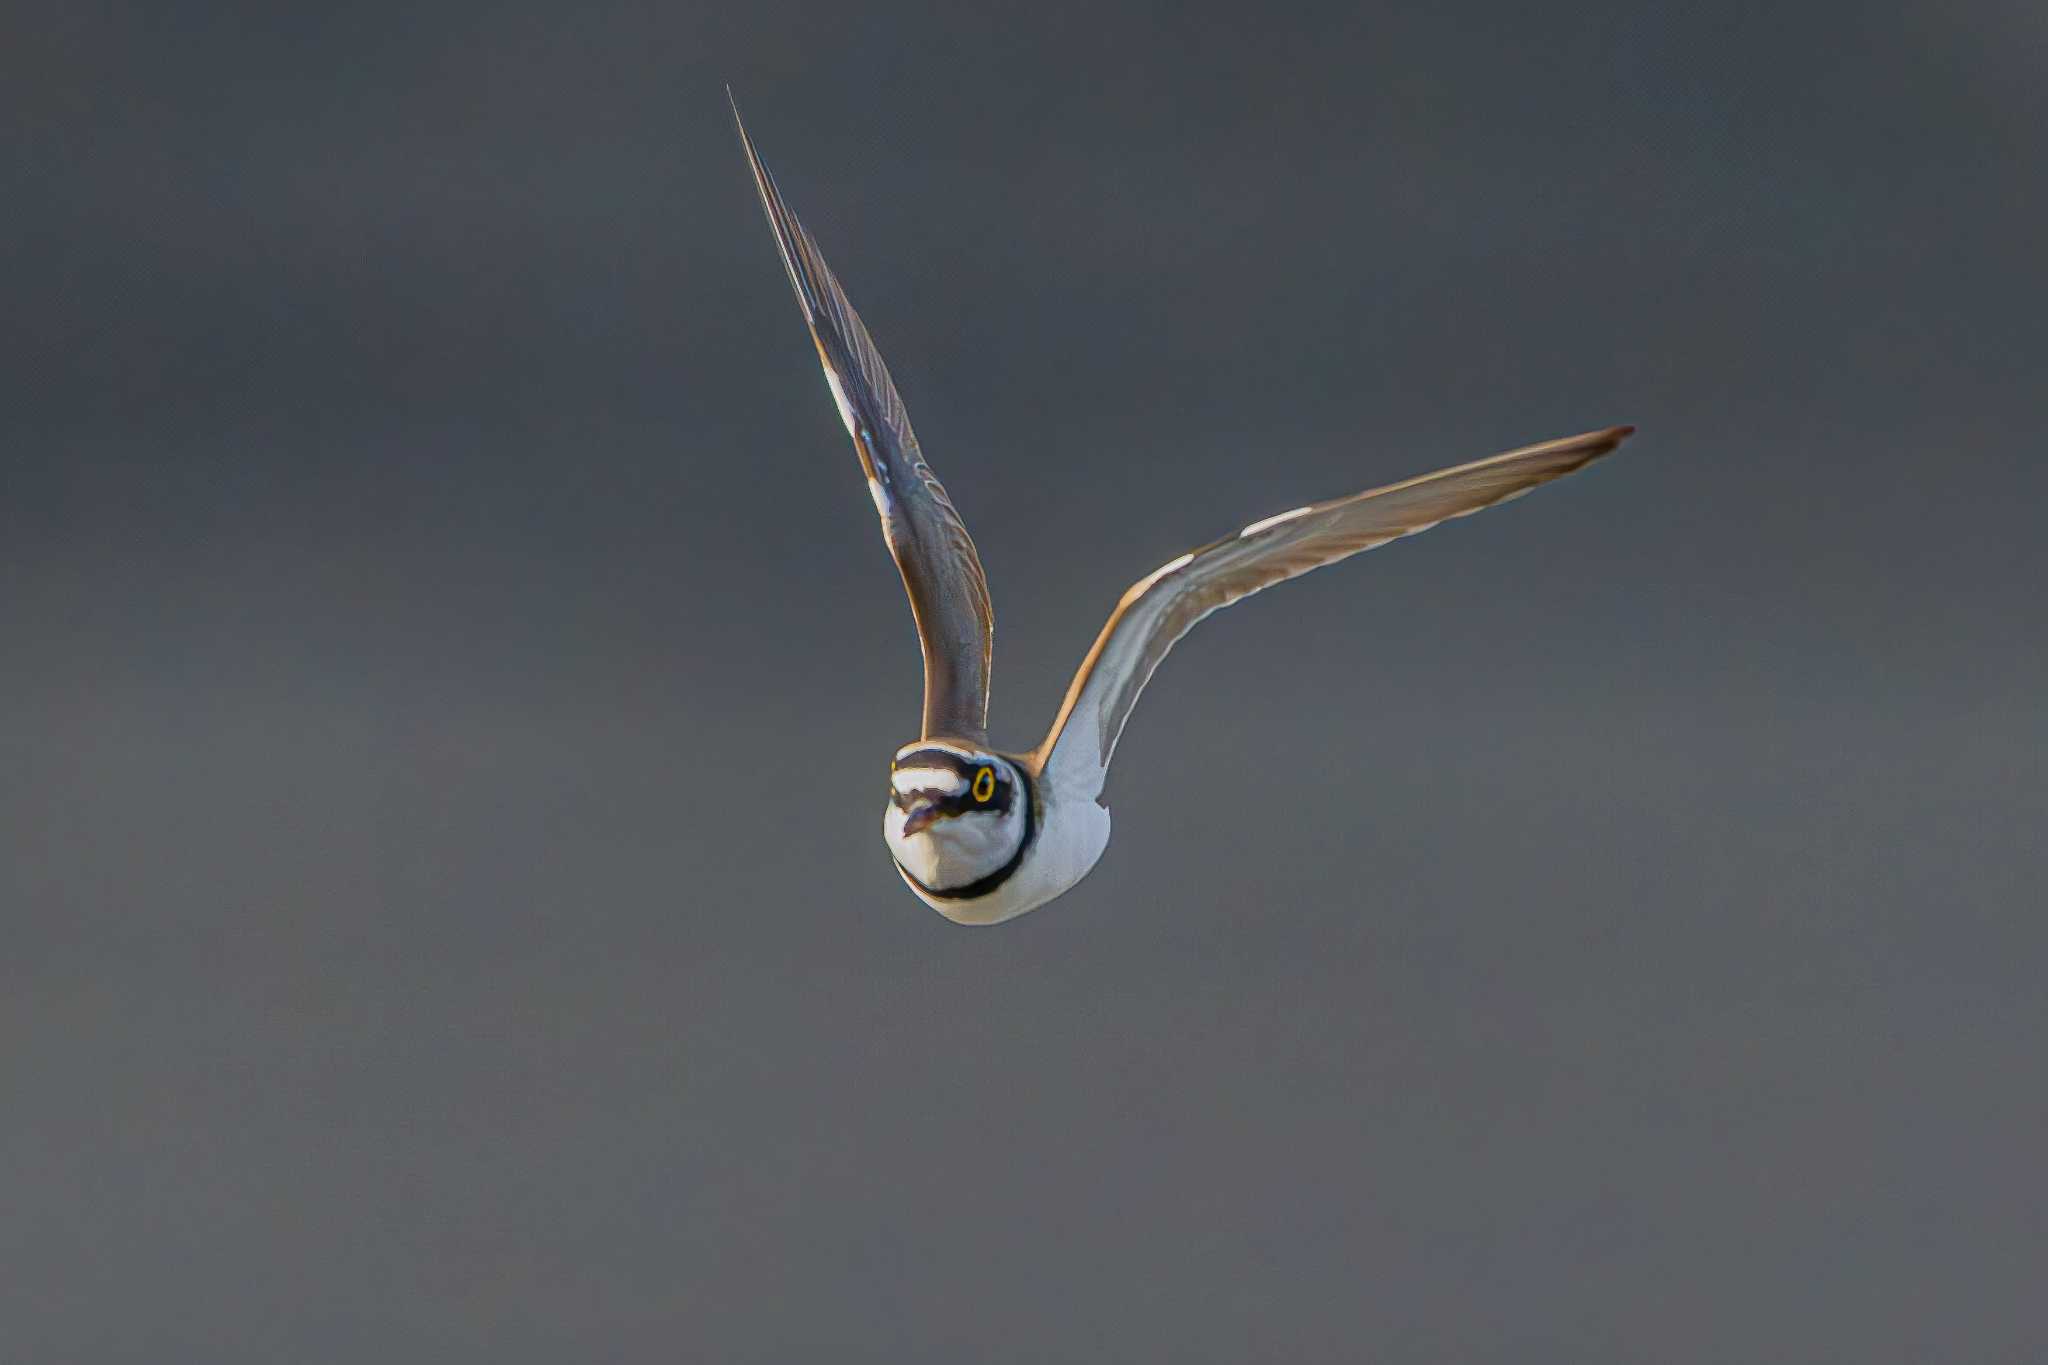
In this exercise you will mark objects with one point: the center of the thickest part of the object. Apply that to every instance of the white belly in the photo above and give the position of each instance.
(1070, 839)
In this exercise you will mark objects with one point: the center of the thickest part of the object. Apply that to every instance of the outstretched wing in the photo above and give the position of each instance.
(1165, 604)
(941, 571)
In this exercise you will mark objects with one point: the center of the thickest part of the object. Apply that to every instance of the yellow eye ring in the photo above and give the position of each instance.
(984, 784)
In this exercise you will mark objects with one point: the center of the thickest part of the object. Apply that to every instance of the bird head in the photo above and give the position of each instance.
(956, 815)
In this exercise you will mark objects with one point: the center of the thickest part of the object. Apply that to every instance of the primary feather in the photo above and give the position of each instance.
(933, 552)
(1165, 605)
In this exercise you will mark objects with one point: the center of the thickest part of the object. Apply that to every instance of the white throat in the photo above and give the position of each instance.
(955, 852)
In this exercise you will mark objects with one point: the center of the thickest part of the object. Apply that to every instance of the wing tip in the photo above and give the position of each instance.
(1594, 444)
(746, 141)
(781, 222)
(732, 102)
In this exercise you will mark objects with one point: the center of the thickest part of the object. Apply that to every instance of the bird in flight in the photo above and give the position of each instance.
(980, 835)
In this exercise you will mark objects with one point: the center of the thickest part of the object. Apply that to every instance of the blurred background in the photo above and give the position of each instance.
(450, 668)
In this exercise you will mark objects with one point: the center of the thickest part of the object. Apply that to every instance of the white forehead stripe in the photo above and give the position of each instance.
(1259, 526)
(928, 780)
(942, 747)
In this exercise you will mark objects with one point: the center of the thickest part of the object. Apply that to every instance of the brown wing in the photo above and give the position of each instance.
(941, 571)
(1165, 605)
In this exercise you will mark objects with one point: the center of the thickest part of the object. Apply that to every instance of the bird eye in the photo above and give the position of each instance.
(984, 784)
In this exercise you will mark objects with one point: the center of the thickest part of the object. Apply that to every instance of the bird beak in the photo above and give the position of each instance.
(922, 816)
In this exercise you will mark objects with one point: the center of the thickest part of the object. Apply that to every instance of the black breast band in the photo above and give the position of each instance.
(1002, 874)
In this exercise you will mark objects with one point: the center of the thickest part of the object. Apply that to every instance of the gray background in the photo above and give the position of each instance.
(450, 668)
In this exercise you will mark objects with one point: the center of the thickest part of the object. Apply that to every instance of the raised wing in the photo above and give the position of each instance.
(1165, 604)
(941, 571)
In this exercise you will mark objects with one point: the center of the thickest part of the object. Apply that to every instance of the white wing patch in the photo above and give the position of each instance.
(1170, 566)
(839, 398)
(1271, 522)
